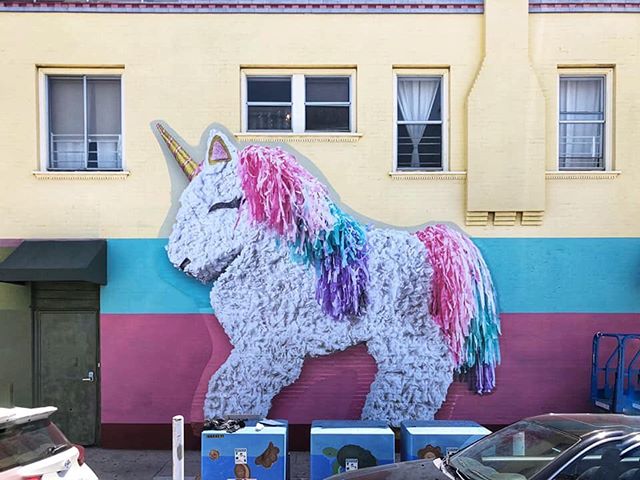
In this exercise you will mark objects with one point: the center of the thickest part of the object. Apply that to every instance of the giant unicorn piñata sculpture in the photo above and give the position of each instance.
(293, 276)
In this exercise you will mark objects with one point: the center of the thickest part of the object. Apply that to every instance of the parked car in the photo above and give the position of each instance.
(547, 447)
(33, 448)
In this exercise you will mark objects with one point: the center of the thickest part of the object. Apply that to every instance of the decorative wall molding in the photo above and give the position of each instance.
(477, 219)
(81, 175)
(247, 6)
(310, 6)
(460, 176)
(298, 137)
(583, 6)
(567, 175)
(532, 219)
(504, 219)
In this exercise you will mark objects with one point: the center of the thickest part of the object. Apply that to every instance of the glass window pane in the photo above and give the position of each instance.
(603, 462)
(103, 106)
(425, 153)
(581, 146)
(66, 123)
(521, 450)
(269, 118)
(417, 99)
(581, 98)
(334, 119)
(269, 89)
(104, 123)
(327, 89)
(27, 443)
(66, 106)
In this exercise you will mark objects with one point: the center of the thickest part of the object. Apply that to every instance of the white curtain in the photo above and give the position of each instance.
(415, 98)
(581, 143)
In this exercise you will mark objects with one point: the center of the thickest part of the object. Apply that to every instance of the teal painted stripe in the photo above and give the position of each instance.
(532, 275)
(140, 279)
(556, 275)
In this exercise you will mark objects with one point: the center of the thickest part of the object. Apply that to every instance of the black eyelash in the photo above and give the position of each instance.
(235, 203)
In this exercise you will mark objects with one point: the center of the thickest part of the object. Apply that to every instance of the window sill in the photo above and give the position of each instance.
(428, 175)
(579, 175)
(289, 137)
(40, 175)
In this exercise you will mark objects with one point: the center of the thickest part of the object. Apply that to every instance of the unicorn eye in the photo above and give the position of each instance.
(235, 203)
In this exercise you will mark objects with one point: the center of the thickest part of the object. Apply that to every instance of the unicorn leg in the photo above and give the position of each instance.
(247, 381)
(414, 373)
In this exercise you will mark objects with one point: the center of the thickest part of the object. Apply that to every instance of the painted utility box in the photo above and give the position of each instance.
(436, 438)
(253, 452)
(343, 445)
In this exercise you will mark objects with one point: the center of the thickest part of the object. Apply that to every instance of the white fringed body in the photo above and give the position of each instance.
(266, 304)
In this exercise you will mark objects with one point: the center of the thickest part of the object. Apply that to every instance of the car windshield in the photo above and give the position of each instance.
(517, 452)
(29, 442)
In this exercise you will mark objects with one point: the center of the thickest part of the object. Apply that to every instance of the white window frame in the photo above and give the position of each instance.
(43, 107)
(607, 144)
(298, 101)
(444, 106)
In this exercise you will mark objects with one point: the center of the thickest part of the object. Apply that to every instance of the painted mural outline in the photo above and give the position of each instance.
(293, 275)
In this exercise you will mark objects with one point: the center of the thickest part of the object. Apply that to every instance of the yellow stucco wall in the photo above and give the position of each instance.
(185, 70)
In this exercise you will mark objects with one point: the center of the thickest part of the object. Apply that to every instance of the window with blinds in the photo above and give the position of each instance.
(85, 123)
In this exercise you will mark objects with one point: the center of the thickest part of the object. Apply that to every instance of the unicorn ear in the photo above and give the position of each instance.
(220, 149)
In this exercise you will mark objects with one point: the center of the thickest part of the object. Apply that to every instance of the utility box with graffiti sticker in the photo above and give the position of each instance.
(435, 438)
(342, 445)
(256, 451)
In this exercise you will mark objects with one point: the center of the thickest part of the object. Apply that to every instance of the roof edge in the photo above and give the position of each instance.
(246, 6)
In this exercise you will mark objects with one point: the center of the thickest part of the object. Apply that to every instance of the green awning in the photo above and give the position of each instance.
(56, 261)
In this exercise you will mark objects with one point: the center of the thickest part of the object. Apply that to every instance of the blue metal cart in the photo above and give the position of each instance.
(615, 382)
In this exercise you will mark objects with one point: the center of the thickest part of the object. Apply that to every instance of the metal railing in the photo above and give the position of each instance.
(429, 153)
(99, 152)
(581, 152)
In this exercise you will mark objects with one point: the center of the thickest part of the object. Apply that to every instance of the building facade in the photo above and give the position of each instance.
(516, 121)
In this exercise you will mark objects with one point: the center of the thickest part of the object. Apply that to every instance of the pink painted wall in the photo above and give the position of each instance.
(9, 242)
(155, 366)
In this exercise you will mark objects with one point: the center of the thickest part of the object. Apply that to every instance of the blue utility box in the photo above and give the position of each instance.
(253, 452)
(435, 438)
(343, 445)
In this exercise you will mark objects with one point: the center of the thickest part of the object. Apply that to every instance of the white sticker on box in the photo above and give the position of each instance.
(350, 464)
(240, 456)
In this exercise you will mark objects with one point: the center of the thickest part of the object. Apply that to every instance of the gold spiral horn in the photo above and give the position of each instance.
(188, 165)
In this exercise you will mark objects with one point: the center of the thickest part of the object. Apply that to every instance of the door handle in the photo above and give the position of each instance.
(90, 377)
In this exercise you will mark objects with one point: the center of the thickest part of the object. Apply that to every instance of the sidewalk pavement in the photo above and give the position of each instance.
(156, 464)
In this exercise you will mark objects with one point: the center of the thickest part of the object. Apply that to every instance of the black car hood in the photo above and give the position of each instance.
(416, 470)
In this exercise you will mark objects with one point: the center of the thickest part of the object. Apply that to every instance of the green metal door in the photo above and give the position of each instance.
(66, 360)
